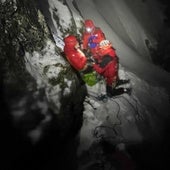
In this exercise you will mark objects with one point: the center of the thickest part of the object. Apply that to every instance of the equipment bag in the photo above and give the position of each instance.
(90, 78)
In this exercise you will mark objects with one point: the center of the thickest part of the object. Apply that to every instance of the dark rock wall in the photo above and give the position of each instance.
(20, 31)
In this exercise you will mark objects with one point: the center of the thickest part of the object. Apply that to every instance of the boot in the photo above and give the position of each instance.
(128, 91)
(120, 82)
(109, 91)
(115, 92)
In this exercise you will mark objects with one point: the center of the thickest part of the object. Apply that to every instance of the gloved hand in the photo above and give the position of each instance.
(90, 59)
(88, 68)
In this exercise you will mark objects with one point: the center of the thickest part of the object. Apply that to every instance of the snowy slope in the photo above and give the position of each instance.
(124, 118)
(149, 101)
(127, 36)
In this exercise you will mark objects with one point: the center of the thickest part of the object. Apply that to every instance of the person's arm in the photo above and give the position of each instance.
(105, 61)
(101, 34)
(98, 69)
(84, 45)
(80, 62)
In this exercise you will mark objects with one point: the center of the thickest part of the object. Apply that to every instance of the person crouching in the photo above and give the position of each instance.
(106, 64)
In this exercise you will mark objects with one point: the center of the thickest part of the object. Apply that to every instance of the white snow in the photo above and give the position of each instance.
(127, 24)
(36, 63)
(119, 119)
(2, 1)
(105, 16)
(57, 8)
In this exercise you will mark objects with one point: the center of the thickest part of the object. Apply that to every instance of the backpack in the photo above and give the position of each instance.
(90, 78)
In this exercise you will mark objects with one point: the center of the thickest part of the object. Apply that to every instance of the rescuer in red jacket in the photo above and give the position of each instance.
(79, 61)
(106, 64)
(91, 37)
(73, 53)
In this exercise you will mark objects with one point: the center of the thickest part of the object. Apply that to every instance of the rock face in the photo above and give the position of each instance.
(41, 95)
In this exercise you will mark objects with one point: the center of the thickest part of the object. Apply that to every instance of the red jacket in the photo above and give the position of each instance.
(92, 40)
(107, 65)
(75, 57)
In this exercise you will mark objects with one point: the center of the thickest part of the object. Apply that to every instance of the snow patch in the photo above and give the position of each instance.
(43, 66)
(61, 10)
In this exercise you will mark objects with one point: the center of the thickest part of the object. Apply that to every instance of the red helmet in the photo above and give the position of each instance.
(105, 44)
(104, 47)
(89, 25)
(71, 40)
